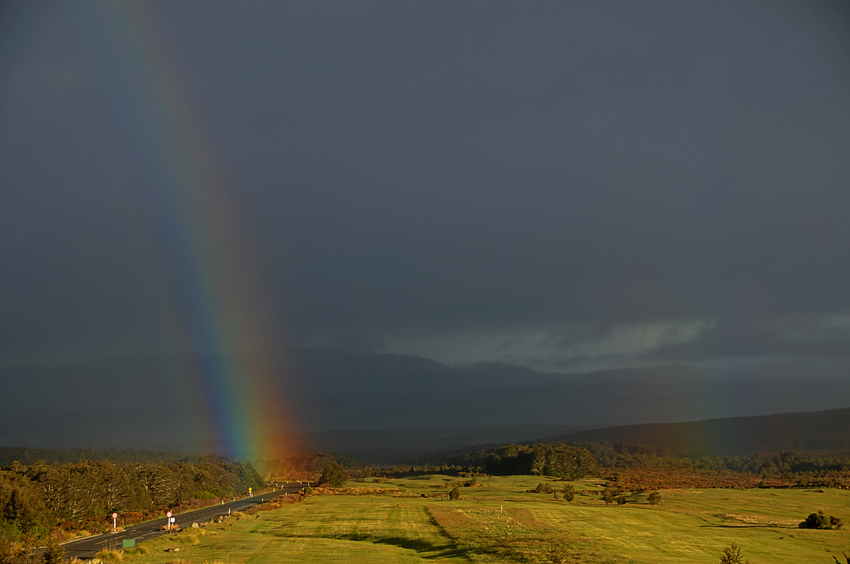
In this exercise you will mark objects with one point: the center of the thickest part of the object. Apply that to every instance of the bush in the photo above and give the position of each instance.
(110, 555)
(454, 495)
(569, 492)
(655, 498)
(138, 550)
(607, 496)
(55, 552)
(733, 555)
(820, 520)
(558, 554)
(621, 500)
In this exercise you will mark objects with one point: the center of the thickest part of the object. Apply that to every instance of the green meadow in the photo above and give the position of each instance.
(499, 521)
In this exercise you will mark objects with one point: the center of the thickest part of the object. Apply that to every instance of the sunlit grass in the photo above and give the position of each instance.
(500, 521)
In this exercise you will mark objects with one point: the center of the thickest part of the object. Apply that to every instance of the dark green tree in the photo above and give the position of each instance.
(733, 555)
(607, 496)
(454, 495)
(333, 475)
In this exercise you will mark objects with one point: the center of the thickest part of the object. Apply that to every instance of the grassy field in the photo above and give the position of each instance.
(499, 521)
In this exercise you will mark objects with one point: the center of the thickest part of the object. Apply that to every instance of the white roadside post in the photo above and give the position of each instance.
(114, 522)
(168, 521)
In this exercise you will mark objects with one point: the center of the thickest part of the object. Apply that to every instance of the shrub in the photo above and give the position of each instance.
(55, 552)
(655, 498)
(454, 495)
(621, 500)
(733, 555)
(558, 554)
(139, 549)
(543, 488)
(110, 555)
(607, 496)
(820, 520)
(569, 492)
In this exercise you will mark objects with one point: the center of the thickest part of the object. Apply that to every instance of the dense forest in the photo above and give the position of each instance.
(619, 455)
(562, 461)
(608, 455)
(78, 496)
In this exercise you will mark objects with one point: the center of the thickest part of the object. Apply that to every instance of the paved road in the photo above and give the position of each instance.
(89, 546)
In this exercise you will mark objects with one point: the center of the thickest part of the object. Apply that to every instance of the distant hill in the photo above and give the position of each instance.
(416, 445)
(150, 402)
(824, 433)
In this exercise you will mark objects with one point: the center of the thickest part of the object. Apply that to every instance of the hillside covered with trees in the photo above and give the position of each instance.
(78, 496)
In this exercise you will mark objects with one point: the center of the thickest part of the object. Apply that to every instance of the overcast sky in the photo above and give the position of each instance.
(562, 185)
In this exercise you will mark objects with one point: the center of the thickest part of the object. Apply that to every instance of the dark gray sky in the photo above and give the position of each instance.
(563, 185)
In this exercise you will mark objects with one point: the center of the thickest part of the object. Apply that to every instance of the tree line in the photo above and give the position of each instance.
(619, 455)
(27, 455)
(304, 465)
(541, 459)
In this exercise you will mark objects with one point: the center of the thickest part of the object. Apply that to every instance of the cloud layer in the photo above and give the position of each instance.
(563, 186)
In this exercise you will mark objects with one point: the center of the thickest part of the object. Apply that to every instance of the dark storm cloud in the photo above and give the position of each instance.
(429, 170)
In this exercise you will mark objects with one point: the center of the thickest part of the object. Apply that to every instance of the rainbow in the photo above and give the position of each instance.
(210, 294)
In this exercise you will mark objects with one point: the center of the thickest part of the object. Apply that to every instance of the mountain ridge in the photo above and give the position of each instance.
(825, 432)
(149, 401)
